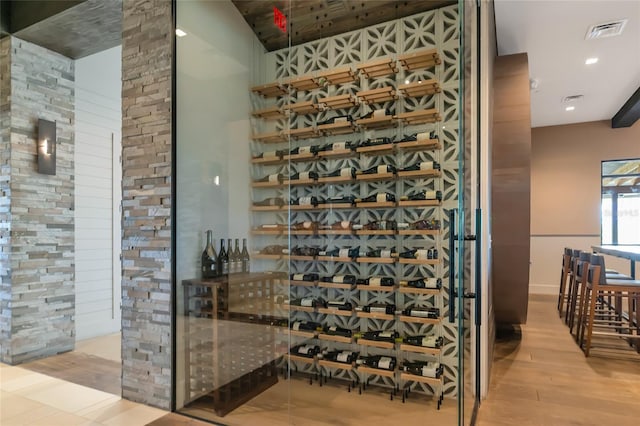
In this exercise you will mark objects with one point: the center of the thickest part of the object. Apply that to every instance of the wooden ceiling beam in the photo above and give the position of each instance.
(629, 113)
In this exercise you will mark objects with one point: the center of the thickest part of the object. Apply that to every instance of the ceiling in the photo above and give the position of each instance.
(313, 19)
(553, 35)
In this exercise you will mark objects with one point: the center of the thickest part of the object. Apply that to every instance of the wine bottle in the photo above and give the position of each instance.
(237, 258)
(345, 357)
(303, 277)
(380, 197)
(273, 249)
(304, 176)
(381, 169)
(307, 351)
(269, 154)
(433, 313)
(311, 302)
(380, 308)
(332, 253)
(340, 146)
(245, 259)
(379, 281)
(304, 251)
(419, 254)
(423, 195)
(340, 305)
(305, 326)
(304, 226)
(230, 257)
(304, 150)
(429, 283)
(376, 141)
(352, 253)
(378, 361)
(274, 201)
(382, 253)
(376, 113)
(209, 259)
(381, 335)
(305, 201)
(339, 225)
(422, 165)
(422, 368)
(223, 259)
(337, 331)
(348, 199)
(432, 224)
(424, 341)
(274, 178)
(378, 225)
(340, 279)
(344, 172)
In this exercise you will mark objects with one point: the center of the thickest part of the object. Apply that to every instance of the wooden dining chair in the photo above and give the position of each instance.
(564, 277)
(573, 265)
(578, 285)
(597, 290)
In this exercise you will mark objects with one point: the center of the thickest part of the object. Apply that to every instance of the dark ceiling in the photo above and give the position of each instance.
(72, 28)
(313, 19)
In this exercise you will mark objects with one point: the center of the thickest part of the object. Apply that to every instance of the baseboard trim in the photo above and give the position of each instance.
(543, 289)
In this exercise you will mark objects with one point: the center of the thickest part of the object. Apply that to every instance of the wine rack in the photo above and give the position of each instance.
(395, 85)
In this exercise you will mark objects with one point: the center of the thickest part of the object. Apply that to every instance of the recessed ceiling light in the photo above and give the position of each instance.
(591, 61)
(570, 108)
(180, 33)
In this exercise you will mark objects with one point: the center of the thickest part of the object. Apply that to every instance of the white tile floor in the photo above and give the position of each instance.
(29, 398)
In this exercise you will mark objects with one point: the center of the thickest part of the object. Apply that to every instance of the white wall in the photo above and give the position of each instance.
(98, 193)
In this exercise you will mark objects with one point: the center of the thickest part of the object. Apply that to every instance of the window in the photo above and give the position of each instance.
(620, 207)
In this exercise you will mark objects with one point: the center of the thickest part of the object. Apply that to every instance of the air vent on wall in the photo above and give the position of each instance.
(607, 29)
(572, 98)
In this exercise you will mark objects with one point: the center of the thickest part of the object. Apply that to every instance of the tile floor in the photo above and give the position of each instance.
(30, 398)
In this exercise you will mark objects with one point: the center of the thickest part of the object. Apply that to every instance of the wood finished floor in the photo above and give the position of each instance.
(545, 379)
(82, 369)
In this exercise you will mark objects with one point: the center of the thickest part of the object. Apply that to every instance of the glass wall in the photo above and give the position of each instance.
(335, 156)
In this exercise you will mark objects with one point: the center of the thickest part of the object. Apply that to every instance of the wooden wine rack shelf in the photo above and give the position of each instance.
(420, 349)
(270, 90)
(423, 59)
(333, 338)
(339, 101)
(383, 122)
(420, 291)
(420, 88)
(376, 96)
(420, 117)
(376, 371)
(303, 83)
(378, 68)
(303, 108)
(376, 344)
(386, 289)
(338, 75)
(272, 113)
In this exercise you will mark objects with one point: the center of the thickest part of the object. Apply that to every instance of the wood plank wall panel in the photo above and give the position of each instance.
(146, 200)
(511, 188)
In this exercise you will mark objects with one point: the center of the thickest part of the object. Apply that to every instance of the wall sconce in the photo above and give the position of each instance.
(46, 147)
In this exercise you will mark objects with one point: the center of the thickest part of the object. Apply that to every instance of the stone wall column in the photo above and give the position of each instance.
(146, 211)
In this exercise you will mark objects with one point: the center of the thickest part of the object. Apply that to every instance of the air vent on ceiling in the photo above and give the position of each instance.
(607, 29)
(572, 98)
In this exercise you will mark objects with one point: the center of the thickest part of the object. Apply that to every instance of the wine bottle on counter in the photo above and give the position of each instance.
(423, 195)
(230, 256)
(428, 283)
(305, 201)
(304, 176)
(432, 313)
(305, 326)
(382, 253)
(378, 225)
(381, 169)
(379, 308)
(237, 258)
(274, 178)
(381, 335)
(422, 368)
(345, 357)
(337, 331)
(377, 281)
(378, 361)
(422, 165)
(340, 279)
(424, 341)
(344, 172)
(340, 305)
(267, 202)
(223, 259)
(303, 277)
(380, 197)
(432, 224)
(428, 254)
(245, 258)
(209, 259)
(376, 141)
(307, 351)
